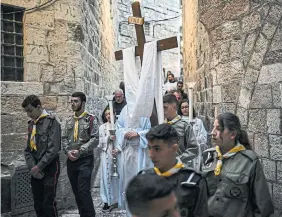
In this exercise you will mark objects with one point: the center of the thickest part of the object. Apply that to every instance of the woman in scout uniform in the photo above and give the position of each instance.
(236, 183)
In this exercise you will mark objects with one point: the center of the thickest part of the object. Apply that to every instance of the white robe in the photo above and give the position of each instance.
(108, 185)
(134, 156)
(201, 137)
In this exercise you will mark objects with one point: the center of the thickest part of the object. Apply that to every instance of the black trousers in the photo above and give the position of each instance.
(79, 173)
(44, 190)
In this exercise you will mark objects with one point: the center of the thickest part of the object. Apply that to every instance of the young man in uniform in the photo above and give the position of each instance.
(42, 156)
(189, 186)
(188, 146)
(80, 137)
(149, 195)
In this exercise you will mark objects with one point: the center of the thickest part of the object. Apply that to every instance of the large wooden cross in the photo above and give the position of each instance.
(164, 44)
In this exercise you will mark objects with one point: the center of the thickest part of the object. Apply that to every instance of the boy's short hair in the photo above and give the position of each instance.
(32, 100)
(144, 188)
(170, 99)
(81, 95)
(163, 132)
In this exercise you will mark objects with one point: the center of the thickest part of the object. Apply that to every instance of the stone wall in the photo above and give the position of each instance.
(68, 46)
(238, 60)
(152, 10)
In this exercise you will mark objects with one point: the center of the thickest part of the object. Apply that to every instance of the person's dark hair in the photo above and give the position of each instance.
(104, 119)
(183, 101)
(80, 95)
(179, 82)
(170, 99)
(144, 188)
(33, 100)
(121, 86)
(171, 75)
(163, 132)
(231, 122)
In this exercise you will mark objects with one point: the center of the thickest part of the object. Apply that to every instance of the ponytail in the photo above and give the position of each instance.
(244, 140)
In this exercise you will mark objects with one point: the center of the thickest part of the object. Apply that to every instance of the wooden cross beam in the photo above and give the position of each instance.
(164, 44)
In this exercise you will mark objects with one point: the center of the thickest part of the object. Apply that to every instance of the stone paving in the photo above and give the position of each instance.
(98, 208)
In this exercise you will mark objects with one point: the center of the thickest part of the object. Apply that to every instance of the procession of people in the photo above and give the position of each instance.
(162, 170)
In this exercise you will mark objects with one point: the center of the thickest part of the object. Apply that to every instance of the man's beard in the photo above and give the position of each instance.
(78, 108)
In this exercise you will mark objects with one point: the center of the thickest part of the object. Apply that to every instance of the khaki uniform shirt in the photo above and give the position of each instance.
(240, 190)
(188, 146)
(48, 142)
(88, 135)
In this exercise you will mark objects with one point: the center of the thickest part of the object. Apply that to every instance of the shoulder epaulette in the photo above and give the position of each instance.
(51, 116)
(147, 171)
(250, 154)
(210, 150)
(191, 177)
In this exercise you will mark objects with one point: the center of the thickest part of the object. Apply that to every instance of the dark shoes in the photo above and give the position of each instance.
(105, 207)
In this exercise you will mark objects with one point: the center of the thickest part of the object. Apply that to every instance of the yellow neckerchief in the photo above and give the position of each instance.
(174, 120)
(230, 153)
(33, 132)
(172, 171)
(76, 119)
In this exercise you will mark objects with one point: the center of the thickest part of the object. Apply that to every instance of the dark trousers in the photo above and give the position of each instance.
(79, 173)
(44, 190)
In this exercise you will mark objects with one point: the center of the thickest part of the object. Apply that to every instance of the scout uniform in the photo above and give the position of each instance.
(190, 189)
(82, 134)
(43, 146)
(188, 146)
(236, 184)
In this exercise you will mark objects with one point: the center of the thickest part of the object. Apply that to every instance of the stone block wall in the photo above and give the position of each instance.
(68, 46)
(152, 10)
(236, 61)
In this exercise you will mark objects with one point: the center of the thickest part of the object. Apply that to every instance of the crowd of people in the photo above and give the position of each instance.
(150, 171)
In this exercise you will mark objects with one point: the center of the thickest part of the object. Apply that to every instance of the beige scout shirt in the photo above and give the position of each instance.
(240, 190)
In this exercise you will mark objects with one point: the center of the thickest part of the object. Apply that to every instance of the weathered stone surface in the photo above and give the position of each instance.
(268, 30)
(274, 121)
(21, 88)
(277, 195)
(251, 22)
(257, 120)
(242, 113)
(259, 52)
(275, 142)
(230, 92)
(269, 169)
(216, 94)
(277, 95)
(236, 49)
(251, 76)
(245, 96)
(262, 97)
(249, 43)
(279, 171)
(273, 57)
(270, 74)
(229, 72)
(49, 102)
(41, 19)
(276, 41)
(11, 104)
(261, 145)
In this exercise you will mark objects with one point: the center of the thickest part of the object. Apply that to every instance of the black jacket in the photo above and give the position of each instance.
(191, 192)
(48, 142)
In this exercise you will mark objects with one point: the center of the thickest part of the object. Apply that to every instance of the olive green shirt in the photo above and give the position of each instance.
(88, 135)
(240, 190)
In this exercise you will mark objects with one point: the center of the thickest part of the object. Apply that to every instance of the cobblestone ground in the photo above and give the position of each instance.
(98, 208)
